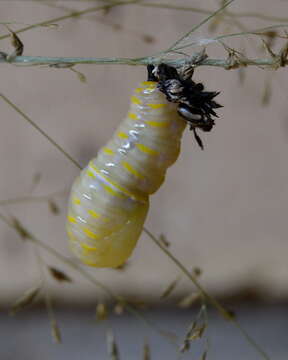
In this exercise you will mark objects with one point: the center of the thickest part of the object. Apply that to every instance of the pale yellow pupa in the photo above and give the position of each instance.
(109, 200)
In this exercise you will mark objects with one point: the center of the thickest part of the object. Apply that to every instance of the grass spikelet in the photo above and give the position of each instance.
(59, 275)
(112, 347)
(17, 45)
(146, 352)
(80, 75)
(55, 332)
(195, 330)
(188, 300)
(101, 311)
(119, 308)
(266, 94)
(21, 230)
(170, 288)
(25, 300)
(163, 240)
(53, 207)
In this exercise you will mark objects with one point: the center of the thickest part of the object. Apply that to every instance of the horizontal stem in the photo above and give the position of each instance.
(70, 61)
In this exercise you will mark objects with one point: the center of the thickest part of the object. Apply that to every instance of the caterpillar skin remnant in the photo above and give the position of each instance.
(109, 201)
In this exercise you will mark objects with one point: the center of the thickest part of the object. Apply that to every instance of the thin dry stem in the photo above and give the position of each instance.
(208, 12)
(47, 298)
(42, 132)
(73, 14)
(225, 313)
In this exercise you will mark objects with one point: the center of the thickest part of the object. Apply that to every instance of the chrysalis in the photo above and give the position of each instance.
(109, 201)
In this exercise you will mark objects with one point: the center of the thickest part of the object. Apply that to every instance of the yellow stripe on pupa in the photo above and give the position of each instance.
(72, 219)
(150, 84)
(157, 106)
(108, 151)
(147, 150)
(132, 170)
(94, 214)
(76, 200)
(139, 90)
(88, 248)
(112, 191)
(136, 100)
(90, 173)
(159, 124)
(122, 135)
(117, 186)
(132, 116)
(90, 233)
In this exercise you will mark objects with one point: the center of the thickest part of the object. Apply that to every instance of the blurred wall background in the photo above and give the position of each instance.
(223, 209)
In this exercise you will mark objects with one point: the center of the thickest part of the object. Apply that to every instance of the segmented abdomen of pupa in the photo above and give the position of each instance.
(110, 199)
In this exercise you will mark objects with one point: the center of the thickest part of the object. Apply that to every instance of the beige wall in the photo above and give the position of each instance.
(224, 209)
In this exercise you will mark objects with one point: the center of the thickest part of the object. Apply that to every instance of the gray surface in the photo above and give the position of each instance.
(27, 335)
